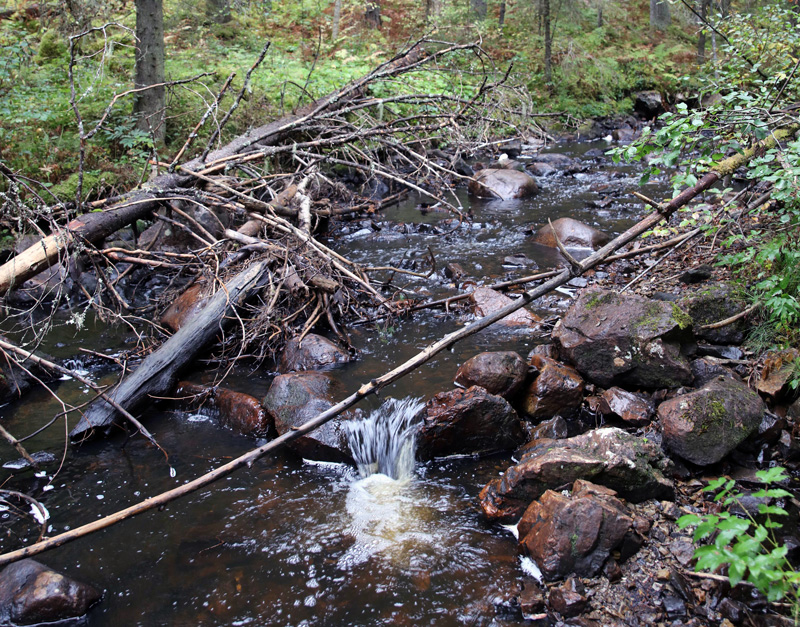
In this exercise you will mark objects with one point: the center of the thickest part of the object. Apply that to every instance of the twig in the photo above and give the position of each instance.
(20, 449)
(732, 319)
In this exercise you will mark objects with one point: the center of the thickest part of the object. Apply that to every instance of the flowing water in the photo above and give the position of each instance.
(286, 542)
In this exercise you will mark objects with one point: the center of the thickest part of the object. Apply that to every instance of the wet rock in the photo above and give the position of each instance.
(531, 600)
(698, 274)
(553, 429)
(568, 599)
(502, 373)
(238, 411)
(185, 306)
(31, 593)
(624, 134)
(674, 607)
(486, 301)
(560, 161)
(571, 233)
(313, 352)
(296, 398)
(720, 352)
(635, 409)
(41, 458)
(468, 422)
(519, 260)
(574, 534)
(632, 466)
(713, 304)
(704, 426)
(541, 169)
(557, 389)
(648, 104)
(615, 339)
(502, 183)
(15, 381)
(544, 350)
(705, 370)
(454, 271)
(777, 372)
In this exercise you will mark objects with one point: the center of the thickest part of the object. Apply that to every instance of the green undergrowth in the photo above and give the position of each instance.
(596, 69)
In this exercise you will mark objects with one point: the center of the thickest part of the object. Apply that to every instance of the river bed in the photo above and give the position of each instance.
(287, 542)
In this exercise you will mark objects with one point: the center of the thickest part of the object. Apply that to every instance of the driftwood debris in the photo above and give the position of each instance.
(158, 372)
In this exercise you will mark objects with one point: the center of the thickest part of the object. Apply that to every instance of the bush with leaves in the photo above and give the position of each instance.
(748, 547)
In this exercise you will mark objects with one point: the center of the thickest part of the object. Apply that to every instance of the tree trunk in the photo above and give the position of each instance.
(433, 9)
(149, 105)
(701, 38)
(337, 16)
(548, 52)
(478, 9)
(659, 15)
(218, 11)
(157, 374)
(372, 15)
(600, 16)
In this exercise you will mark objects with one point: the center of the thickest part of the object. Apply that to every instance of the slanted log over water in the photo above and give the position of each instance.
(157, 373)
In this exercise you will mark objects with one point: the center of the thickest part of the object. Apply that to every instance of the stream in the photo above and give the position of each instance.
(288, 542)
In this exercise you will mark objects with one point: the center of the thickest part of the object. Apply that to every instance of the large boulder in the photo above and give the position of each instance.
(502, 183)
(31, 593)
(313, 352)
(498, 372)
(648, 104)
(632, 466)
(235, 410)
(713, 304)
(576, 534)
(486, 301)
(571, 233)
(468, 422)
(615, 339)
(294, 399)
(557, 389)
(704, 426)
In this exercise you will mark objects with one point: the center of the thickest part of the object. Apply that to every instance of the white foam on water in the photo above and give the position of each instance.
(530, 567)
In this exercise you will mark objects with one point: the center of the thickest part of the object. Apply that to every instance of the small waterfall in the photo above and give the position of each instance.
(385, 442)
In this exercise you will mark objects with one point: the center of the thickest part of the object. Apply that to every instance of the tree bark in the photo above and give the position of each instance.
(157, 374)
(149, 105)
(548, 44)
(372, 14)
(337, 16)
(659, 15)
(478, 9)
(501, 19)
(218, 11)
(701, 38)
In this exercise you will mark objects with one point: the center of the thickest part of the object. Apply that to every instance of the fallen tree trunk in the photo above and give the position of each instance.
(157, 374)
(94, 227)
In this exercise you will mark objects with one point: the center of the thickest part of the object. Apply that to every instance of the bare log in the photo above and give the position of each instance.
(158, 372)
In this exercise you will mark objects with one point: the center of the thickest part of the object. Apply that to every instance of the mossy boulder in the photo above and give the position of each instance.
(52, 46)
(614, 339)
(713, 304)
(704, 426)
(93, 183)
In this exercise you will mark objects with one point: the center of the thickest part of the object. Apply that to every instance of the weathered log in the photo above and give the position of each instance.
(158, 372)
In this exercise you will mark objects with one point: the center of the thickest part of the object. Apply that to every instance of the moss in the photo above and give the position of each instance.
(683, 319)
(92, 182)
(651, 319)
(52, 46)
(596, 300)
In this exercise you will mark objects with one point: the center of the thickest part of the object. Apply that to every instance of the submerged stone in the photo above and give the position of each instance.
(313, 352)
(487, 301)
(238, 411)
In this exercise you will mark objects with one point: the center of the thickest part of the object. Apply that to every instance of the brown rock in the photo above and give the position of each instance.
(185, 306)
(31, 593)
(635, 409)
(294, 399)
(313, 352)
(553, 429)
(704, 426)
(568, 599)
(468, 422)
(498, 372)
(630, 465)
(574, 534)
(777, 372)
(712, 304)
(502, 183)
(238, 411)
(615, 339)
(486, 301)
(557, 389)
(572, 233)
